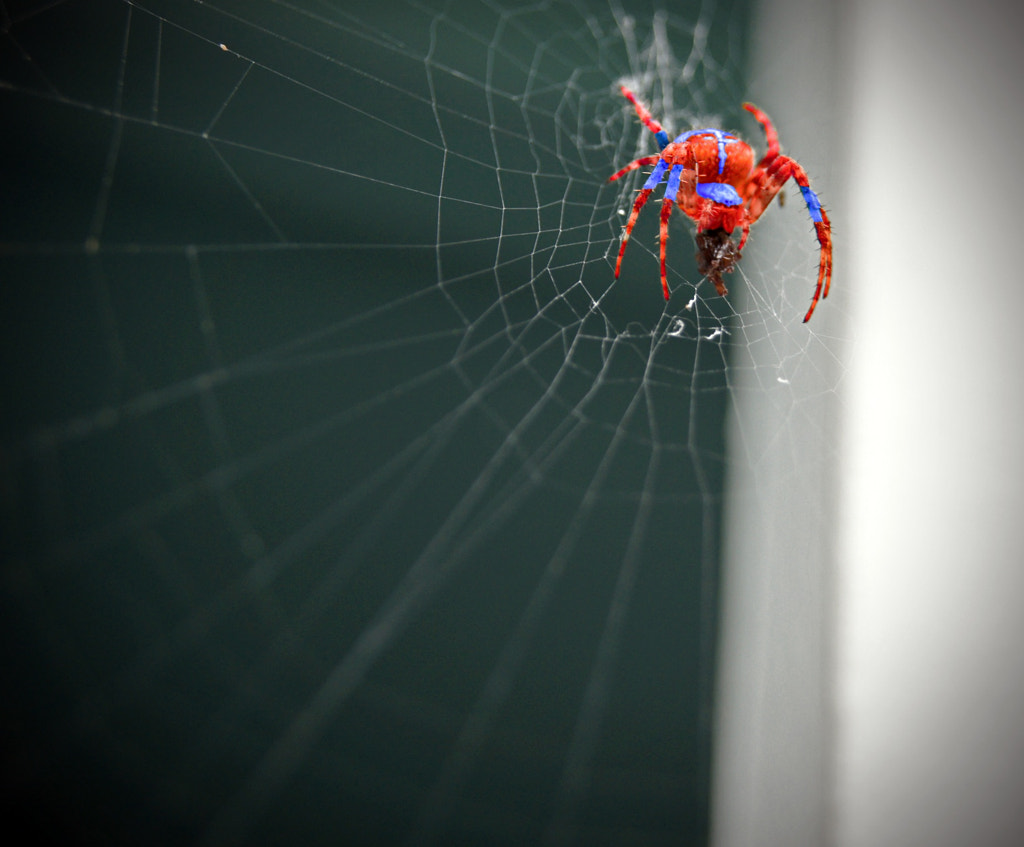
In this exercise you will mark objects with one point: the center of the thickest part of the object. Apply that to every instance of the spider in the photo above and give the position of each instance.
(712, 178)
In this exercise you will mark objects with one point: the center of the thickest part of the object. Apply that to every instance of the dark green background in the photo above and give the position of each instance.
(302, 467)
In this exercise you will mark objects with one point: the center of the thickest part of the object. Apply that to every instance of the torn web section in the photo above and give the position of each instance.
(409, 507)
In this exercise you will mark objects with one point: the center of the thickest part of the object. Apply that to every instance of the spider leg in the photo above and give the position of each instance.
(641, 198)
(822, 228)
(648, 120)
(746, 234)
(767, 185)
(671, 192)
(632, 166)
(656, 176)
(771, 137)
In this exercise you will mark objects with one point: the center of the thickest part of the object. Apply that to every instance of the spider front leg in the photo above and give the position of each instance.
(632, 166)
(641, 198)
(646, 118)
(671, 195)
(652, 181)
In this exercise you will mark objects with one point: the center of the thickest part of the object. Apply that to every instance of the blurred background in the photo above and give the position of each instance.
(347, 497)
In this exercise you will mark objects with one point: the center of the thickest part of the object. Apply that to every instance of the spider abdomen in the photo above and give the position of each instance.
(716, 156)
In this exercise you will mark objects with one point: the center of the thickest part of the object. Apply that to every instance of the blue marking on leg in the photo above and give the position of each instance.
(723, 139)
(719, 192)
(662, 138)
(657, 174)
(813, 203)
(672, 189)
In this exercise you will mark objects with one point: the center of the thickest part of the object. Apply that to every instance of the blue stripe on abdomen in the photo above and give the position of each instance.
(723, 139)
(719, 192)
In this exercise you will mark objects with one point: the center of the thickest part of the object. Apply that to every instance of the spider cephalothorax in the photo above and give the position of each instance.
(712, 178)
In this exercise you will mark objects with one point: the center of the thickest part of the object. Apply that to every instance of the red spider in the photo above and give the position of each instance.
(712, 178)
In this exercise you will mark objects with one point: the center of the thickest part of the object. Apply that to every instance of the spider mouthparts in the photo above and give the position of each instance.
(717, 254)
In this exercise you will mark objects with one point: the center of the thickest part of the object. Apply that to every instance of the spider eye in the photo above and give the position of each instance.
(719, 192)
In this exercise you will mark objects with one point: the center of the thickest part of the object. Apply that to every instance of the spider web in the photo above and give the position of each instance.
(345, 492)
